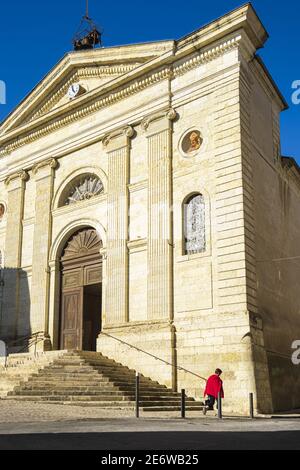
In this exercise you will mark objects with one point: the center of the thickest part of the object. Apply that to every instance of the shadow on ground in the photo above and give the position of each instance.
(153, 441)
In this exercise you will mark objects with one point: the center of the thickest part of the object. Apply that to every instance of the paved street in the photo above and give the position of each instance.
(38, 426)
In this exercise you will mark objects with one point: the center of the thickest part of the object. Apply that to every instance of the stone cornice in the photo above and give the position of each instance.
(139, 186)
(22, 175)
(61, 117)
(207, 56)
(137, 245)
(29, 222)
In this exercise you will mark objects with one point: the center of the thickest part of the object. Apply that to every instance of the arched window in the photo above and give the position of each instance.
(194, 224)
(83, 187)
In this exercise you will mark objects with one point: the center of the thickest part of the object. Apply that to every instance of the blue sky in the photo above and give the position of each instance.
(35, 35)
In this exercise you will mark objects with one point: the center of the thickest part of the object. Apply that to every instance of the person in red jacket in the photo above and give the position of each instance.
(214, 386)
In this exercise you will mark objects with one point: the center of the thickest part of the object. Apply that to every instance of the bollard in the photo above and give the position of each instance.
(220, 416)
(137, 395)
(251, 403)
(182, 403)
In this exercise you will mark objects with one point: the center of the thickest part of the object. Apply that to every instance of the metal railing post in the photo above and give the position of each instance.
(6, 357)
(220, 416)
(183, 403)
(251, 405)
(137, 395)
(35, 343)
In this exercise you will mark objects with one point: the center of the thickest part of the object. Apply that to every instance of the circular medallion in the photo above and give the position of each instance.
(191, 143)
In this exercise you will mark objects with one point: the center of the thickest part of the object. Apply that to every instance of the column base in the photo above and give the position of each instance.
(47, 344)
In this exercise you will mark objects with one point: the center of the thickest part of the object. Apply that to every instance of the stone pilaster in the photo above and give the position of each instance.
(117, 146)
(44, 176)
(261, 368)
(54, 303)
(13, 254)
(160, 232)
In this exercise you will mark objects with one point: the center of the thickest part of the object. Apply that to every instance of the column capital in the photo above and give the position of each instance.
(49, 164)
(118, 138)
(161, 119)
(54, 265)
(18, 178)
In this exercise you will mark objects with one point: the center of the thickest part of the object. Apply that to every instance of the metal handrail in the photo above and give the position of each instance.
(22, 339)
(30, 340)
(152, 355)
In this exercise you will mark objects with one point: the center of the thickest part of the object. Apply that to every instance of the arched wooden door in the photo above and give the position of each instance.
(81, 291)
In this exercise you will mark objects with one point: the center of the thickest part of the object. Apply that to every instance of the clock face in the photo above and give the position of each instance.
(74, 90)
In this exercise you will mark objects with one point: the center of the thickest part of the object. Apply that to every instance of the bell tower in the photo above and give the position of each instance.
(88, 35)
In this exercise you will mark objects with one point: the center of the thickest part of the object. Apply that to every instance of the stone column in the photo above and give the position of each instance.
(13, 254)
(54, 303)
(44, 177)
(117, 146)
(160, 230)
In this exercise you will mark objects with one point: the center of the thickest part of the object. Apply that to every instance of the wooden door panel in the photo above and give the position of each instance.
(92, 274)
(72, 312)
(72, 279)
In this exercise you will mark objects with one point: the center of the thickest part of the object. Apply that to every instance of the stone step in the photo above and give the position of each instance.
(89, 372)
(82, 367)
(75, 373)
(66, 369)
(83, 362)
(105, 393)
(94, 379)
(104, 400)
(89, 376)
(73, 396)
(87, 369)
(160, 409)
(131, 407)
(91, 387)
(61, 401)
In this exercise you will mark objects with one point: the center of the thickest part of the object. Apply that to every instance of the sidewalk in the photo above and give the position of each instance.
(23, 412)
(293, 414)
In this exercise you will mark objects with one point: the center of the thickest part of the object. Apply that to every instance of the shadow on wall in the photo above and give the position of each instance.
(285, 382)
(15, 325)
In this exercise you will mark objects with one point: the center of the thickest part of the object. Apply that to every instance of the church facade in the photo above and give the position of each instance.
(147, 213)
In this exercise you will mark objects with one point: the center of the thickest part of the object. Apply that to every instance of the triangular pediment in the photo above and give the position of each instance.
(89, 70)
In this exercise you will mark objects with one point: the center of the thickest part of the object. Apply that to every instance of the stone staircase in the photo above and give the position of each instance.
(91, 379)
(21, 367)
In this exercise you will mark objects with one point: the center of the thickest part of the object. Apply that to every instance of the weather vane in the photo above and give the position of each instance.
(88, 35)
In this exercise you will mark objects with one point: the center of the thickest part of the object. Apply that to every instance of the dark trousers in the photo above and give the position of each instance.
(210, 401)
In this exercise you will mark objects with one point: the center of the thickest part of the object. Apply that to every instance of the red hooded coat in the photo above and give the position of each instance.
(214, 385)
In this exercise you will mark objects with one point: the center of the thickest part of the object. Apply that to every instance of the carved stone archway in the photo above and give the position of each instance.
(81, 290)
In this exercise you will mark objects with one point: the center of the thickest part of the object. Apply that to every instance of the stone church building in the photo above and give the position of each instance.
(147, 213)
